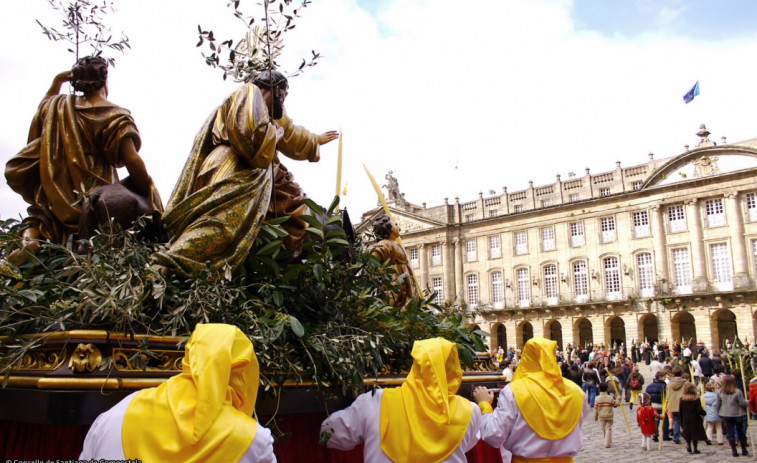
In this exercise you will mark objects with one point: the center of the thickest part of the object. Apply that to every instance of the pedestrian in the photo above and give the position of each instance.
(712, 419)
(603, 412)
(675, 391)
(635, 382)
(691, 418)
(705, 362)
(590, 379)
(645, 417)
(753, 397)
(656, 390)
(732, 410)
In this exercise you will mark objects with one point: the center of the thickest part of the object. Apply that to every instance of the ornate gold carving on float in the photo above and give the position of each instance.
(86, 358)
(43, 359)
(160, 360)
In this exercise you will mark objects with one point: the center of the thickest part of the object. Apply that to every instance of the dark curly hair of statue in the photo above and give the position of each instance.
(267, 79)
(382, 227)
(89, 74)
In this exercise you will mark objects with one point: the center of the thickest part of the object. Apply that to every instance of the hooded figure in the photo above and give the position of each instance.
(422, 420)
(539, 414)
(203, 414)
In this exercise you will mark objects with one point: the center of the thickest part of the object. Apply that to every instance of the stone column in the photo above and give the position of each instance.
(700, 282)
(736, 230)
(448, 266)
(423, 257)
(658, 240)
(459, 285)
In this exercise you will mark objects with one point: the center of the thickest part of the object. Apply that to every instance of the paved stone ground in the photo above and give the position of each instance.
(626, 447)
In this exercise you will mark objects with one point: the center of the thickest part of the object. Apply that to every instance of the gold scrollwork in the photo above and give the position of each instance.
(43, 359)
(86, 358)
(159, 360)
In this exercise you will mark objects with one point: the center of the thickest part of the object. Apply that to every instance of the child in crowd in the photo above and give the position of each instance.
(690, 409)
(603, 406)
(753, 397)
(712, 419)
(645, 416)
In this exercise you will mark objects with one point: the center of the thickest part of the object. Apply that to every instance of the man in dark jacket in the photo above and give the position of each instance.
(705, 362)
(656, 389)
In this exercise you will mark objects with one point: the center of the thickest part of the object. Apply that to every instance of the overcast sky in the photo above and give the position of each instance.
(455, 97)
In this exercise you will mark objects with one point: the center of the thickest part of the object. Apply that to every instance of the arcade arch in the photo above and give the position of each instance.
(723, 328)
(524, 333)
(615, 331)
(649, 328)
(683, 327)
(553, 331)
(583, 332)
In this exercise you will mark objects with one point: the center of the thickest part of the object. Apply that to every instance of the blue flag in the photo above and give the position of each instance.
(691, 93)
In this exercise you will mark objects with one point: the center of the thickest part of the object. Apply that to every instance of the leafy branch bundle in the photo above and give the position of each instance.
(324, 318)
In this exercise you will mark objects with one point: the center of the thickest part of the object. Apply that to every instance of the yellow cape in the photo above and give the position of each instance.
(424, 419)
(204, 413)
(551, 406)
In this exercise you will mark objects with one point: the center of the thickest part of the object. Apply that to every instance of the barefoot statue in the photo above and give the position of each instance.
(225, 190)
(75, 144)
(387, 249)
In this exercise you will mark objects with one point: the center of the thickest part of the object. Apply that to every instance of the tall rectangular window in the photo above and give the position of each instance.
(550, 284)
(495, 247)
(721, 267)
(612, 279)
(682, 270)
(546, 202)
(518, 208)
(436, 254)
(751, 207)
(577, 237)
(473, 290)
(413, 257)
(607, 225)
(604, 192)
(645, 270)
(754, 255)
(469, 218)
(640, 224)
(493, 213)
(580, 282)
(521, 243)
(524, 287)
(574, 197)
(713, 209)
(438, 285)
(676, 219)
(637, 185)
(470, 250)
(548, 239)
(498, 290)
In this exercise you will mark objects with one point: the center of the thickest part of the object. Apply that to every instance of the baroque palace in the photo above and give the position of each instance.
(665, 250)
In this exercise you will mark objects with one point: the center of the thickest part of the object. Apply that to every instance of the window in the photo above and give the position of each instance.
(676, 219)
(548, 239)
(521, 243)
(436, 254)
(546, 202)
(577, 234)
(682, 270)
(473, 290)
(438, 285)
(470, 250)
(580, 282)
(754, 255)
(604, 192)
(640, 224)
(612, 279)
(713, 208)
(645, 271)
(493, 213)
(495, 247)
(413, 257)
(607, 225)
(524, 295)
(637, 185)
(721, 267)
(518, 208)
(469, 217)
(751, 206)
(573, 197)
(550, 284)
(498, 290)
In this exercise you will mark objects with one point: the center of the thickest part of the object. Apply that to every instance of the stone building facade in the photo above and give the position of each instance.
(663, 250)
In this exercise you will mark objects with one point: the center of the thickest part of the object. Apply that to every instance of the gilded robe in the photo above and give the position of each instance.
(387, 249)
(225, 189)
(70, 151)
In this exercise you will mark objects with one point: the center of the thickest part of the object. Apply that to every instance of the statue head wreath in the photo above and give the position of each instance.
(89, 74)
(267, 79)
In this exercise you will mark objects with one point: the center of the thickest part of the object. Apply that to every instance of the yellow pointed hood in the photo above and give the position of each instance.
(204, 413)
(551, 406)
(424, 419)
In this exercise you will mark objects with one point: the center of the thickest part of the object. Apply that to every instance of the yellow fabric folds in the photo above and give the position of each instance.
(204, 413)
(551, 407)
(424, 419)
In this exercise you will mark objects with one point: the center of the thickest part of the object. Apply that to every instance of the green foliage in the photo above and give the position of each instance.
(83, 24)
(261, 44)
(322, 318)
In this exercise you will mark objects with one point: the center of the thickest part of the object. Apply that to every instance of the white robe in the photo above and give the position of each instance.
(361, 422)
(507, 429)
(103, 440)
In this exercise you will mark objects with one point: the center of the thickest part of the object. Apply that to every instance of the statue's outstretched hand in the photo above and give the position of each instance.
(326, 137)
